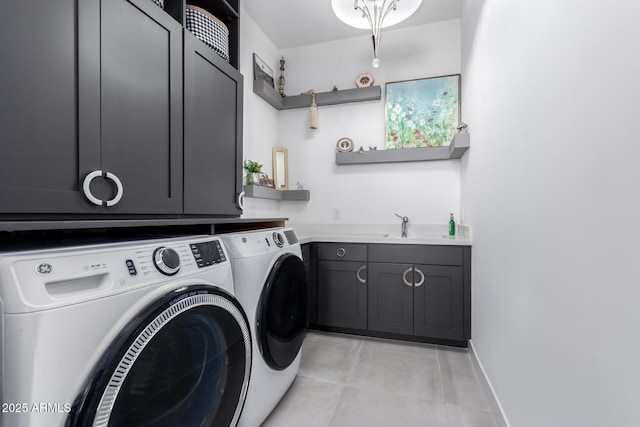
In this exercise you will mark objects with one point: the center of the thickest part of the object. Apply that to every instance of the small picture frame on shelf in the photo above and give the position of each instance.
(261, 71)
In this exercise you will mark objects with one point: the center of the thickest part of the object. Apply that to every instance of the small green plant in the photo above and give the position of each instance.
(252, 167)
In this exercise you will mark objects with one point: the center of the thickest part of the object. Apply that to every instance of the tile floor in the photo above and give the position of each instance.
(356, 381)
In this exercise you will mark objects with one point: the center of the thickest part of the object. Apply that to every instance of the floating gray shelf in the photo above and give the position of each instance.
(262, 192)
(266, 92)
(459, 144)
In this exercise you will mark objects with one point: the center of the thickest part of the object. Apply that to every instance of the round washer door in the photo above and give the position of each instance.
(283, 312)
(184, 361)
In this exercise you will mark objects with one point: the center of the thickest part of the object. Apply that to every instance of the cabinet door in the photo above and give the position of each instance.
(439, 302)
(141, 106)
(342, 295)
(390, 288)
(309, 267)
(40, 151)
(213, 132)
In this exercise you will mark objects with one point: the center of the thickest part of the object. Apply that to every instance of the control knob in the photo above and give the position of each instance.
(278, 239)
(166, 260)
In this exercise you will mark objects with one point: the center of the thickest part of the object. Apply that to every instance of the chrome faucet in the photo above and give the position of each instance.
(405, 220)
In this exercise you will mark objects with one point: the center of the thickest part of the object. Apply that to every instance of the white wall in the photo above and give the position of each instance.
(369, 194)
(260, 125)
(551, 95)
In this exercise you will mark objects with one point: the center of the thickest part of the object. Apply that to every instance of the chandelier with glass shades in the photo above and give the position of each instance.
(374, 15)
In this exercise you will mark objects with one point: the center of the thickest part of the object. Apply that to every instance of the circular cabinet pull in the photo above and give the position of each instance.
(241, 200)
(360, 279)
(404, 277)
(341, 252)
(86, 187)
(118, 195)
(86, 184)
(421, 281)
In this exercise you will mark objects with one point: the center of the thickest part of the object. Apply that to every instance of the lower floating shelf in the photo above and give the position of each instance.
(455, 150)
(262, 192)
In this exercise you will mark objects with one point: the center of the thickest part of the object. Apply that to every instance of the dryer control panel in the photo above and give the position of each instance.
(254, 243)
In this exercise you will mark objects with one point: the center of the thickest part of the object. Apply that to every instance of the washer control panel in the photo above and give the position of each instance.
(56, 277)
(208, 253)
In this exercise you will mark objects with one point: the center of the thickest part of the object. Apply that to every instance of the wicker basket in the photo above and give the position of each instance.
(159, 3)
(209, 29)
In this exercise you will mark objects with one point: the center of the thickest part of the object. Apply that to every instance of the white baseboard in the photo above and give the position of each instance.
(489, 392)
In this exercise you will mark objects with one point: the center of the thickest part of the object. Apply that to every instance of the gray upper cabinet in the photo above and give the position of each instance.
(91, 108)
(141, 105)
(42, 161)
(213, 132)
(112, 107)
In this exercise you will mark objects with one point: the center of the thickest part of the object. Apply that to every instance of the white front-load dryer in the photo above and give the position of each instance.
(143, 333)
(270, 283)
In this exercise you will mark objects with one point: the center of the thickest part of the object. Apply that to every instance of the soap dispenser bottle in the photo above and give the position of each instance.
(452, 225)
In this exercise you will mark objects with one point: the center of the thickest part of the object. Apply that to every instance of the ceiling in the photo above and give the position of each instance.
(292, 23)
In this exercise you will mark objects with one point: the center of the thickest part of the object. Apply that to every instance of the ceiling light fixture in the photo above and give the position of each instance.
(374, 15)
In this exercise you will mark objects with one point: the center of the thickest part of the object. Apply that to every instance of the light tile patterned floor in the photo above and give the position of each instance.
(351, 381)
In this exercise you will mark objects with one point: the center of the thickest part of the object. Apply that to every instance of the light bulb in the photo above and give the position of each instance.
(375, 62)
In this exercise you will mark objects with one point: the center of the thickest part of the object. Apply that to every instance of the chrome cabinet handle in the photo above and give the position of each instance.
(118, 195)
(404, 277)
(360, 279)
(421, 281)
(86, 184)
(341, 252)
(241, 200)
(86, 188)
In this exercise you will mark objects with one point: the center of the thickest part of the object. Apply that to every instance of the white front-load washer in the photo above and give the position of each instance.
(270, 283)
(144, 333)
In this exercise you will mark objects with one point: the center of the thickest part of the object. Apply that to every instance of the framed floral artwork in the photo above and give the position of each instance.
(422, 113)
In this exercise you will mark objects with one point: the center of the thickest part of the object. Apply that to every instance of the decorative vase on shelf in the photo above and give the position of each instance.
(253, 169)
(250, 178)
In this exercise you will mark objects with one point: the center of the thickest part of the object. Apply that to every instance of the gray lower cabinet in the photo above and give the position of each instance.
(213, 132)
(342, 296)
(419, 291)
(416, 299)
(341, 285)
(390, 298)
(310, 274)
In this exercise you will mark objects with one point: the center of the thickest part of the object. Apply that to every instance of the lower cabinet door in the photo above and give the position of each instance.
(342, 294)
(439, 302)
(390, 298)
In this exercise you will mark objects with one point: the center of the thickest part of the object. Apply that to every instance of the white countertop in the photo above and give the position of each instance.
(417, 234)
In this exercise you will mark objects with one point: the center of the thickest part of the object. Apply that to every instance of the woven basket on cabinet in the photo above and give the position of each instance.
(209, 29)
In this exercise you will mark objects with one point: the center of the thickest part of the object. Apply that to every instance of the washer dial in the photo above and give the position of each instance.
(166, 260)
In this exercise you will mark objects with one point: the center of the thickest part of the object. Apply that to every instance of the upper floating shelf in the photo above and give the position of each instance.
(266, 92)
(459, 144)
